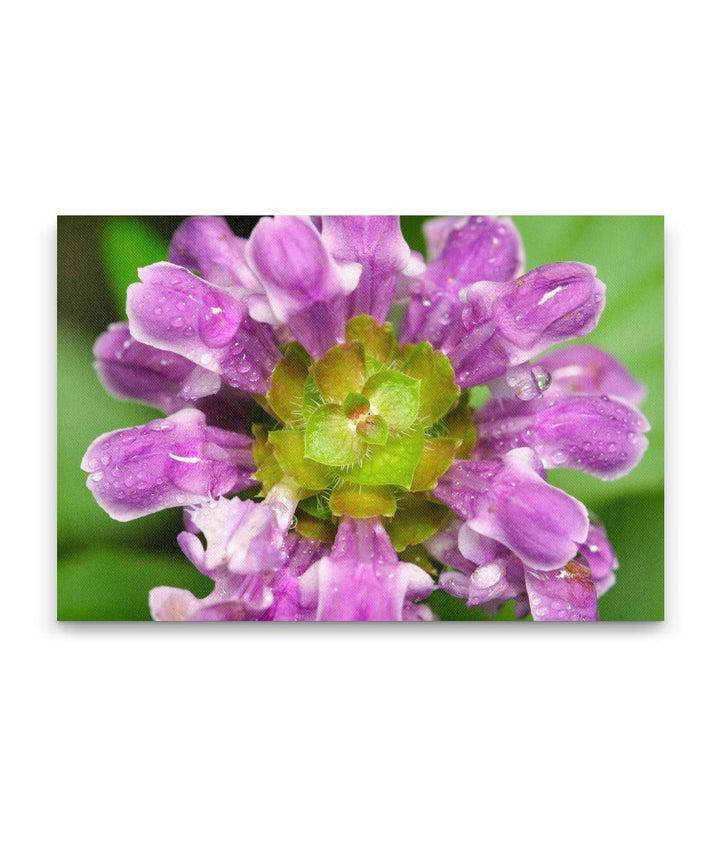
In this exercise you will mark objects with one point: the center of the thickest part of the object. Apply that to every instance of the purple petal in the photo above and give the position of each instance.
(508, 500)
(263, 597)
(169, 462)
(585, 369)
(481, 248)
(473, 249)
(294, 267)
(436, 230)
(418, 612)
(544, 306)
(362, 579)
(567, 594)
(174, 310)
(301, 554)
(508, 323)
(173, 604)
(600, 558)
(242, 536)
(492, 574)
(443, 546)
(207, 245)
(493, 584)
(129, 369)
(598, 435)
(377, 244)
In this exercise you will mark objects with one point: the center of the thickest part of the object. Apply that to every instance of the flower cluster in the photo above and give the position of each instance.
(336, 471)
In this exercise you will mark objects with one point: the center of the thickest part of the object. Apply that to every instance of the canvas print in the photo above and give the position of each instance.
(360, 418)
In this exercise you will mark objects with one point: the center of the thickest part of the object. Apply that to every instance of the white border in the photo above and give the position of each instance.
(355, 739)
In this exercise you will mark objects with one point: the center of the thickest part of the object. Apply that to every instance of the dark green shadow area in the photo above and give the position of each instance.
(635, 526)
(111, 583)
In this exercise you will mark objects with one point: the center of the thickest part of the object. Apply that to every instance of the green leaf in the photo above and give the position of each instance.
(438, 391)
(355, 405)
(317, 506)
(111, 583)
(287, 387)
(393, 463)
(330, 437)
(312, 399)
(415, 520)
(312, 526)
(373, 430)
(268, 472)
(378, 340)
(289, 448)
(437, 455)
(395, 397)
(460, 424)
(128, 243)
(340, 372)
(358, 500)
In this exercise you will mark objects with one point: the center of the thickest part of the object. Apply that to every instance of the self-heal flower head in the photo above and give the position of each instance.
(367, 479)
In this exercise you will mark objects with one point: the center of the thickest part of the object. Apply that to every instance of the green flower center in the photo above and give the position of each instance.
(364, 431)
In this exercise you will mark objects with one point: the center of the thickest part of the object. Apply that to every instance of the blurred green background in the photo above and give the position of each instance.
(105, 568)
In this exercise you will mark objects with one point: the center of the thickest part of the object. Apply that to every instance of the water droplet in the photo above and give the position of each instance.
(542, 377)
(96, 477)
(632, 437)
(558, 457)
(177, 322)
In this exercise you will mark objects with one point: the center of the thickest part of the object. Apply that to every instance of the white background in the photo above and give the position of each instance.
(354, 740)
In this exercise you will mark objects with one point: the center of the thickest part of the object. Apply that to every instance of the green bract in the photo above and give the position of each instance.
(364, 431)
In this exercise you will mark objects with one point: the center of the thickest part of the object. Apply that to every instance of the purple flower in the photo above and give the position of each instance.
(169, 462)
(508, 500)
(362, 579)
(278, 376)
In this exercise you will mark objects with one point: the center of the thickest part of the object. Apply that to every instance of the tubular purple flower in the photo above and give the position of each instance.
(508, 499)
(508, 323)
(587, 370)
(129, 369)
(174, 310)
(301, 279)
(242, 536)
(567, 594)
(170, 462)
(469, 249)
(362, 579)
(267, 596)
(208, 246)
(598, 435)
(377, 244)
